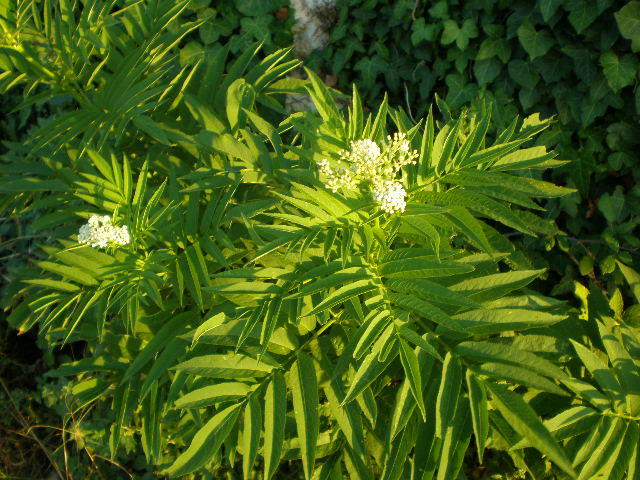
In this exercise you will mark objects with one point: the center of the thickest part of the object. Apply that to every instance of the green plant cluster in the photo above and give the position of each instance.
(576, 60)
(258, 324)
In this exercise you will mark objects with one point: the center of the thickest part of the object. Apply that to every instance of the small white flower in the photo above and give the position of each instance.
(373, 164)
(99, 232)
(390, 195)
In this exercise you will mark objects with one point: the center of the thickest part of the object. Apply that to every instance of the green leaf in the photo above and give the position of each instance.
(231, 366)
(448, 394)
(275, 410)
(405, 402)
(304, 390)
(168, 332)
(455, 443)
(343, 294)
(209, 324)
(421, 268)
(524, 420)
(251, 435)
(411, 368)
(548, 8)
(528, 186)
(491, 287)
(479, 411)
(347, 417)
(619, 71)
(460, 35)
(607, 451)
(625, 368)
(628, 19)
(372, 367)
(424, 345)
(486, 71)
(206, 442)
(212, 394)
(582, 13)
(494, 47)
(536, 43)
(519, 376)
(510, 355)
(600, 371)
(373, 326)
(491, 321)
(633, 279)
(425, 310)
(347, 275)
(442, 151)
(430, 291)
(75, 274)
(625, 459)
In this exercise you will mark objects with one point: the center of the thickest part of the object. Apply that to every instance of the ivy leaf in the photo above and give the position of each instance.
(492, 47)
(252, 8)
(620, 72)
(523, 73)
(582, 13)
(628, 18)
(460, 35)
(612, 206)
(486, 71)
(583, 63)
(421, 31)
(439, 10)
(370, 68)
(536, 43)
(548, 8)
(460, 92)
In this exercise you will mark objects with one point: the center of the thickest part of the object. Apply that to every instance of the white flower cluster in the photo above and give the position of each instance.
(390, 195)
(100, 232)
(369, 163)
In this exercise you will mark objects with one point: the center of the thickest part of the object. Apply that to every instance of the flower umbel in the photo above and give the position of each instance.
(390, 195)
(99, 232)
(370, 164)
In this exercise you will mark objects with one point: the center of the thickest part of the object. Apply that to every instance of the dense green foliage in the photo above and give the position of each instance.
(261, 324)
(574, 59)
(238, 25)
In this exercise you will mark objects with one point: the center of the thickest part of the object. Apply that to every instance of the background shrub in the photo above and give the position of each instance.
(575, 60)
